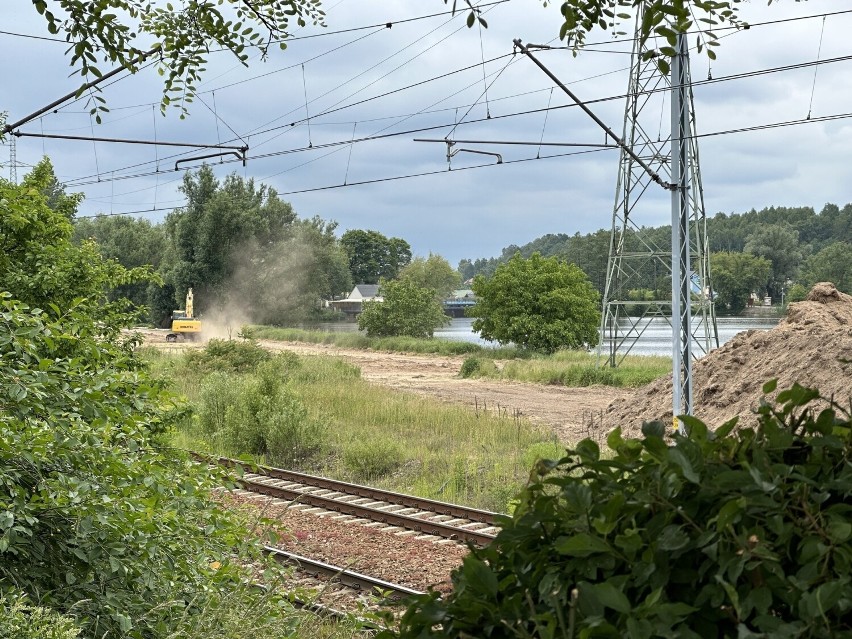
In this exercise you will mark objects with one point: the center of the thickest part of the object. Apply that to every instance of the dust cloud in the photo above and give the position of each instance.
(268, 285)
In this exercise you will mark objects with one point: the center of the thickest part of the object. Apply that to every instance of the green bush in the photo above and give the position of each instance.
(372, 460)
(477, 367)
(729, 533)
(20, 620)
(237, 356)
(405, 309)
(219, 392)
(99, 518)
(259, 414)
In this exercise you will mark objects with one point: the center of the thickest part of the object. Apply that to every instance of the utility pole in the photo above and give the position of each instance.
(681, 264)
(635, 258)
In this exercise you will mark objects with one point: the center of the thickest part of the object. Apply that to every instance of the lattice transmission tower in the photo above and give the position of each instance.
(639, 270)
(13, 160)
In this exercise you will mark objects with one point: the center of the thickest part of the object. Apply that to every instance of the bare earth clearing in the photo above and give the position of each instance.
(811, 346)
(569, 412)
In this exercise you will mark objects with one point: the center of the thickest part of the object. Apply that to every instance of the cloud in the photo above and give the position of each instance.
(463, 213)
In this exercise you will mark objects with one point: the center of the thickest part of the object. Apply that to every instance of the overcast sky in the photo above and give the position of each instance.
(365, 77)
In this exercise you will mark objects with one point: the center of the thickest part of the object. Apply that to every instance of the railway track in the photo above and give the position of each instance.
(349, 578)
(425, 517)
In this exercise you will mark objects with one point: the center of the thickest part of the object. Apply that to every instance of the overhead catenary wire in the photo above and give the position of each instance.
(767, 22)
(587, 46)
(482, 57)
(765, 126)
(76, 93)
(739, 76)
(615, 137)
(620, 96)
(404, 117)
(353, 140)
(94, 138)
(349, 160)
(307, 113)
(397, 68)
(259, 132)
(544, 126)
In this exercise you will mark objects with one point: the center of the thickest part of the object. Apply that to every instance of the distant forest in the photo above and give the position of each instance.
(777, 251)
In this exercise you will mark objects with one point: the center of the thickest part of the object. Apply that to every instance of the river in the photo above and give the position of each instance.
(655, 340)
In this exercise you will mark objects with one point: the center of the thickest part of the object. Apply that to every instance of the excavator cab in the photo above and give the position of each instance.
(184, 325)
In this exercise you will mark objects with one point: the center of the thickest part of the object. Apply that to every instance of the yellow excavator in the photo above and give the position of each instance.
(184, 325)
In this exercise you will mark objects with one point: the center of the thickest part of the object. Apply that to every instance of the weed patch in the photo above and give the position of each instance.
(478, 367)
(369, 461)
(317, 414)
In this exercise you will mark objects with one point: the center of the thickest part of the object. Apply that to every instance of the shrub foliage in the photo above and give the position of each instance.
(542, 304)
(729, 533)
(406, 309)
(97, 519)
(255, 412)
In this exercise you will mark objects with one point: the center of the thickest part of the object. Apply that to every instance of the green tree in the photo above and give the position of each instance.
(466, 269)
(331, 277)
(43, 178)
(405, 309)
(780, 245)
(131, 242)
(100, 519)
(39, 265)
(831, 264)
(432, 272)
(372, 256)
(660, 18)
(220, 230)
(283, 282)
(735, 277)
(542, 304)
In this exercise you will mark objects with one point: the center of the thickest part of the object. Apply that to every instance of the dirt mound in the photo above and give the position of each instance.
(812, 345)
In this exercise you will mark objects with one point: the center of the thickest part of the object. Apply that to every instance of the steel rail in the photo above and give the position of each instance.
(349, 578)
(407, 522)
(399, 499)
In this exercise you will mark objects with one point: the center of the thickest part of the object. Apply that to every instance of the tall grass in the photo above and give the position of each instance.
(358, 340)
(371, 434)
(565, 368)
(571, 368)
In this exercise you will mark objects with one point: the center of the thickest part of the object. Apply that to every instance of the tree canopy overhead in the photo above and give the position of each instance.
(663, 18)
(179, 37)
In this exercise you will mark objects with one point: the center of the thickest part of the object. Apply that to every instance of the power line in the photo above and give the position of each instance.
(476, 65)
(760, 127)
(53, 136)
(32, 37)
(332, 107)
(331, 110)
(745, 75)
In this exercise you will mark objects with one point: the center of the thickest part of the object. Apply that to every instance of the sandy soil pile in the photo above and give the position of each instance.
(808, 347)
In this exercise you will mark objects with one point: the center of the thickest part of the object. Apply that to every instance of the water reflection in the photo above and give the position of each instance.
(656, 338)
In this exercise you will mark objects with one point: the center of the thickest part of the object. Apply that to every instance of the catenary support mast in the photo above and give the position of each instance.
(641, 267)
(681, 264)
